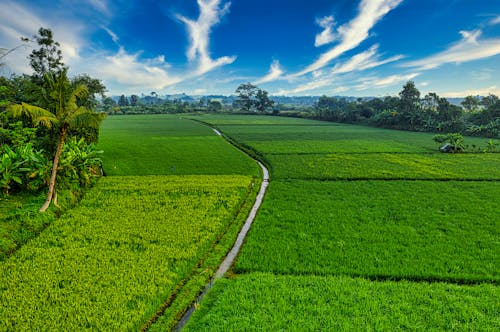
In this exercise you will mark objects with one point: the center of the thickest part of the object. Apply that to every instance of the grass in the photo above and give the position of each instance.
(258, 301)
(389, 166)
(278, 135)
(419, 252)
(167, 145)
(377, 229)
(142, 243)
(110, 263)
(20, 221)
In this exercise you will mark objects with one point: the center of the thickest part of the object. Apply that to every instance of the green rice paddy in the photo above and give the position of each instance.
(362, 229)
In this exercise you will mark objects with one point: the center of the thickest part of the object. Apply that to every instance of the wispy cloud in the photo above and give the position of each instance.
(472, 92)
(365, 60)
(199, 35)
(469, 48)
(376, 82)
(326, 36)
(350, 35)
(17, 20)
(113, 35)
(101, 6)
(495, 21)
(275, 72)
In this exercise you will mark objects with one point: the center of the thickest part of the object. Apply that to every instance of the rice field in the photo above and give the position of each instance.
(362, 229)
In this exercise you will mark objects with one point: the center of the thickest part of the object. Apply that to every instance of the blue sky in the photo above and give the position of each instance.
(287, 47)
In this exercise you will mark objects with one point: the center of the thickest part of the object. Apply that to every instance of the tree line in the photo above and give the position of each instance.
(409, 111)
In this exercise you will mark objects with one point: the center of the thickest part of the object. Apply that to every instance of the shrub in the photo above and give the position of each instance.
(454, 142)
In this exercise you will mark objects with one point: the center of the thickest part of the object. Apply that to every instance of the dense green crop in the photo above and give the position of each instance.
(165, 145)
(277, 135)
(250, 120)
(111, 262)
(410, 232)
(389, 166)
(265, 302)
(20, 221)
(379, 229)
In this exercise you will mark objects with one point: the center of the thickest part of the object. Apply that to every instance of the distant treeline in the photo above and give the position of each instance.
(408, 111)
(477, 116)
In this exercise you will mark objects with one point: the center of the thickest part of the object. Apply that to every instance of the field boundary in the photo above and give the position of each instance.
(233, 253)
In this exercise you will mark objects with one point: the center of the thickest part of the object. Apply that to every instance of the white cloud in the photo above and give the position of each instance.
(309, 86)
(495, 21)
(113, 35)
(350, 35)
(482, 74)
(199, 35)
(376, 82)
(275, 72)
(130, 72)
(469, 48)
(100, 5)
(17, 20)
(326, 36)
(472, 92)
(365, 60)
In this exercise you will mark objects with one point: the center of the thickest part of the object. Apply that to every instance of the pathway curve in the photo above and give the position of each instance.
(231, 256)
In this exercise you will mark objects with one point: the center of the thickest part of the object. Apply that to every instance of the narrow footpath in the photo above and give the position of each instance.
(233, 253)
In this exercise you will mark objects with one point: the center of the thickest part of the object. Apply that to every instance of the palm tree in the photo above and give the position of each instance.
(62, 114)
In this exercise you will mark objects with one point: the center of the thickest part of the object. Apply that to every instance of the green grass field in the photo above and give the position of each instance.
(144, 241)
(20, 221)
(167, 145)
(378, 229)
(110, 263)
(388, 166)
(266, 302)
(330, 253)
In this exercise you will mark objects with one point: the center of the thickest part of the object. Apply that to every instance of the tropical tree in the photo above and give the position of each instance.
(263, 102)
(134, 100)
(246, 96)
(409, 105)
(62, 115)
(471, 103)
(214, 106)
(123, 101)
(48, 58)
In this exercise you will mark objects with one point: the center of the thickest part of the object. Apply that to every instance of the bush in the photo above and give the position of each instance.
(453, 141)
(79, 165)
(23, 168)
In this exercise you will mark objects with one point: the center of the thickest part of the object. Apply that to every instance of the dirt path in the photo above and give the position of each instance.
(233, 253)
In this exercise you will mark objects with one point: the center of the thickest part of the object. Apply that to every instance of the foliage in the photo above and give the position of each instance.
(267, 302)
(455, 142)
(22, 168)
(48, 58)
(409, 111)
(246, 96)
(79, 165)
(20, 220)
(123, 101)
(15, 134)
(250, 97)
(94, 86)
(93, 270)
(64, 113)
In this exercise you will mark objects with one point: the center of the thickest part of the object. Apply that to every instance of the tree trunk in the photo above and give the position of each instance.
(55, 164)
